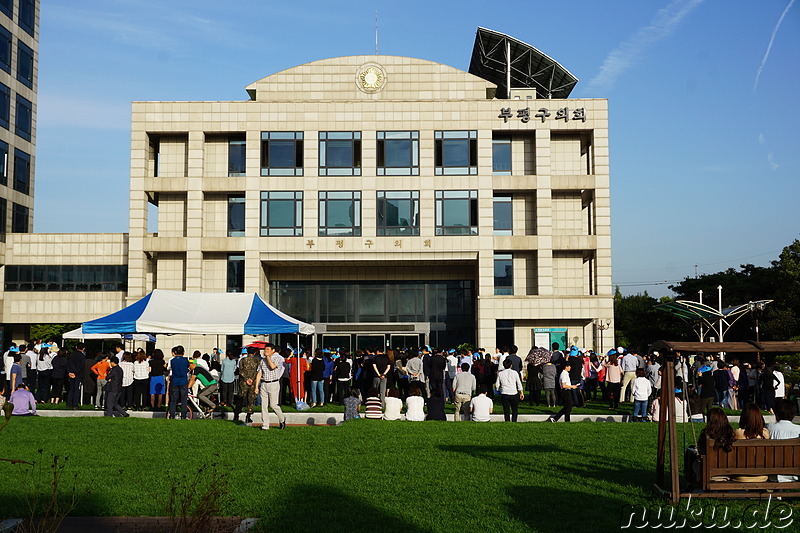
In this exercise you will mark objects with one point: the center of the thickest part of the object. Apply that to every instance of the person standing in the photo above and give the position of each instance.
(453, 365)
(463, 388)
(268, 378)
(317, 379)
(178, 383)
(613, 380)
(641, 390)
(157, 386)
(509, 385)
(100, 369)
(227, 378)
(549, 375)
(248, 369)
(566, 395)
(628, 365)
(381, 366)
(76, 366)
(141, 380)
(45, 367)
(415, 369)
(516, 361)
(114, 389)
(438, 365)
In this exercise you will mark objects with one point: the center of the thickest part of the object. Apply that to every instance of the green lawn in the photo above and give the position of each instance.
(361, 476)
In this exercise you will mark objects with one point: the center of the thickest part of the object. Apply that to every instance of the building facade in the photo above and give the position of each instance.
(388, 200)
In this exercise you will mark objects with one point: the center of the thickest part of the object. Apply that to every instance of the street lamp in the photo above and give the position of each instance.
(601, 326)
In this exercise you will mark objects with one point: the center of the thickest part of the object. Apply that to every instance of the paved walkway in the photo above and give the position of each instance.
(134, 524)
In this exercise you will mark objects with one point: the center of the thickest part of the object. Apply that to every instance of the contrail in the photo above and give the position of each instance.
(628, 52)
(769, 46)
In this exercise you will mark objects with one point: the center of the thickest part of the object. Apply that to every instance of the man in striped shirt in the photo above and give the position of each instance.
(267, 383)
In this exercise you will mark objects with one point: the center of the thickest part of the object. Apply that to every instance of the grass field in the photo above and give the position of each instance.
(361, 476)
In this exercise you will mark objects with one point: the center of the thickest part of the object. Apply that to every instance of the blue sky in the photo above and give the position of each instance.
(705, 157)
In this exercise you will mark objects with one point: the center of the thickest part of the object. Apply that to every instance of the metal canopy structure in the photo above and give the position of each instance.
(513, 64)
(699, 315)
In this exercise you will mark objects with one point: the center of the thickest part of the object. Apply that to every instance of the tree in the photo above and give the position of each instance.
(49, 332)
(638, 324)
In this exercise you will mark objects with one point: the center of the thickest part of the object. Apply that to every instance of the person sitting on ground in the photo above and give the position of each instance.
(435, 405)
(352, 405)
(23, 401)
(751, 426)
(783, 428)
(481, 406)
(373, 404)
(414, 404)
(393, 405)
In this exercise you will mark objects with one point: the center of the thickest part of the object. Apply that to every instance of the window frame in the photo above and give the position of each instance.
(503, 289)
(4, 160)
(324, 230)
(268, 197)
(384, 137)
(23, 103)
(382, 229)
(441, 198)
(502, 199)
(5, 115)
(6, 36)
(22, 185)
(7, 7)
(325, 138)
(234, 278)
(23, 48)
(441, 138)
(23, 23)
(236, 199)
(502, 141)
(20, 214)
(297, 138)
(237, 142)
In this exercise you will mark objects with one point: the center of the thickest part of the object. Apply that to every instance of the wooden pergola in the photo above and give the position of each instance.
(667, 415)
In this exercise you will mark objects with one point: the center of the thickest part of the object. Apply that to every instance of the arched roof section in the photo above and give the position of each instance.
(365, 78)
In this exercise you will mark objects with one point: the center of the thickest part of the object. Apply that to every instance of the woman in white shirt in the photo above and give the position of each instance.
(141, 380)
(127, 380)
(414, 405)
(392, 405)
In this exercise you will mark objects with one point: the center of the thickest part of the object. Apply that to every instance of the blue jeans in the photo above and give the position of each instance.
(318, 391)
(74, 396)
(640, 408)
(178, 394)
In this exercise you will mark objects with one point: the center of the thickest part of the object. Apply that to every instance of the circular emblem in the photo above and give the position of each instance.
(371, 78)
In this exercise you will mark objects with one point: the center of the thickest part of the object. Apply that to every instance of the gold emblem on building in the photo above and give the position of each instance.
(371, 78)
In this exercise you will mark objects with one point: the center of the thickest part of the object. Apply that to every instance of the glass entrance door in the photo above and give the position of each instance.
(404, 342)
(336, 341)
(370, 341)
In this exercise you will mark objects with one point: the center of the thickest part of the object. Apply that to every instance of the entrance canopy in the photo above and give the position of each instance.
(198, 313)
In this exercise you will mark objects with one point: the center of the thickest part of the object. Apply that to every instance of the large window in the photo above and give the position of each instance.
(4, 163)
(398, 153)
(235, 273)
(340, 153)
(501, 156)
(60, 278)
(3, 218)
(236, 216)
(281, 213)
(503, 274)
(282, 153)
(22, 171)
(7, 7)
(503, 222)
(19, 218)
(456, 152)
(24, 118)
(24, 64)
(237, 163)
(456, 212)
(27, 16)
(340, 213)
(5, 49)
(398, 213)
(5, 106)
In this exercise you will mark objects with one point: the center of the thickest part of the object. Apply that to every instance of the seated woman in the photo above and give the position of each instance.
(751, 426)
(719, 429)
(393, 405)
(435, 405)
(373, 405)
(414, 405)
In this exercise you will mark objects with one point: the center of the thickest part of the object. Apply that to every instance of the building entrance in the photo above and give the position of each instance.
(361, 336)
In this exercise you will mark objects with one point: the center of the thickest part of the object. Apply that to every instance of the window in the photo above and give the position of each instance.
(237, 165)
(61, 278)
(24, 64)
(456, 212)
(235, 273)
(340, 153)
(235, 216)
(7, 7)
(398, 212)
(504, 332)
(503, 274)
(5, 106)
(19, 218)
(5, 49)
(398, 153)
(24, 118)
(3, 163)
(501, 156)
(340, 213)
(456, 153)
(3, 215)
(22, 171)
(281, 213)
(503, 224)
(27, 16)
(282, 153)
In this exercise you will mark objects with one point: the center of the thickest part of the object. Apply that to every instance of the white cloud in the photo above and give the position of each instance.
(769, 46)
(771, 160)
(630, 51)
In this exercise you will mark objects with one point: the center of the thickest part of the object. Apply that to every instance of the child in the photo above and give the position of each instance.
(642, 389)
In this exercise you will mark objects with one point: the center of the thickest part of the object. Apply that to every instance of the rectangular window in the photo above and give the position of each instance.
(340, 213)
(501, 156)
(27, 16)
(24, 118)
(503, 274)
(340, 153)
(235, 216)
(60, 278)
(503, 224)
(281, 153)
(22, 171)
(237, 165)
(456, 153)
(235, 273)
(7, 7)
(456, 212)
(281, 213)
(24, 64)
(3, 163)
(5, 106)
(398, 153)
(3, 217)
(398, 213)
(19, 218)
(5, 49)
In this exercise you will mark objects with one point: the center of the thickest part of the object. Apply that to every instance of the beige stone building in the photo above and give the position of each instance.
(388, 200)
